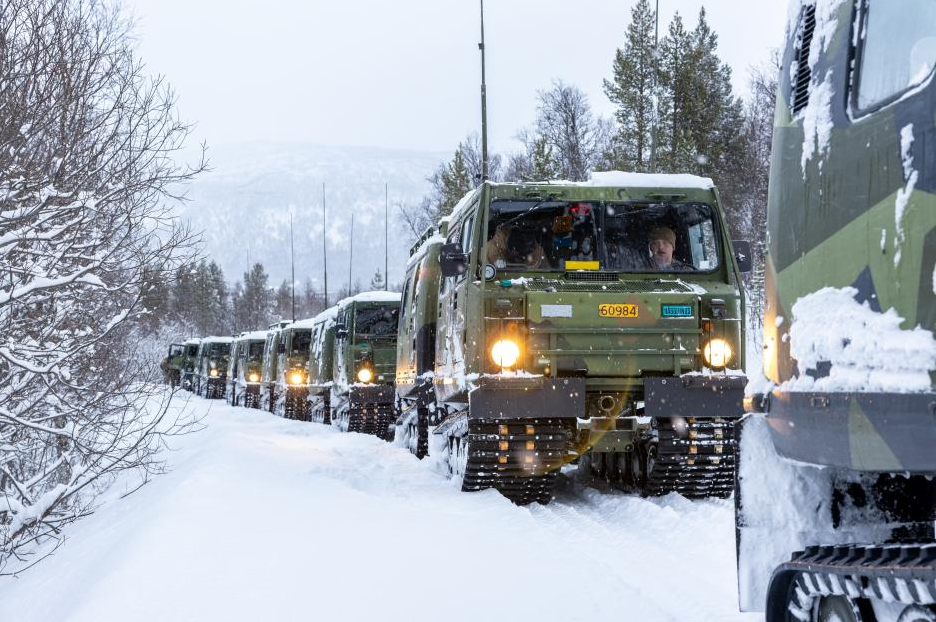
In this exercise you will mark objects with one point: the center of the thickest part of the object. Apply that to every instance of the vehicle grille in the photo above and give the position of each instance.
(636, 287)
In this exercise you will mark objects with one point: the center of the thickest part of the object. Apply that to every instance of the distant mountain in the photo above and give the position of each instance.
(243, 205)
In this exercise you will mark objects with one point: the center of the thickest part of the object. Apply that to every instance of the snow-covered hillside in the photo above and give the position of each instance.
(243, 204)
(267, 519)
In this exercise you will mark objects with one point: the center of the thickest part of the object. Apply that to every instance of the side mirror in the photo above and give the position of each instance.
(742, 251)
(341, 332)
(453, 260)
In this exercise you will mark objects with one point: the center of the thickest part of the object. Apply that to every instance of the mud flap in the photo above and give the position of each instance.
(694, 395)
(525, 398)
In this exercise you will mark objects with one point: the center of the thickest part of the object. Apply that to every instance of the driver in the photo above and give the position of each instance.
(516, 245)
(662, 245)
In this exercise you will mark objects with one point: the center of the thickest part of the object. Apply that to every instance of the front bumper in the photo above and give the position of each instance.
(694, 395)
(527, 398)
(872, 432)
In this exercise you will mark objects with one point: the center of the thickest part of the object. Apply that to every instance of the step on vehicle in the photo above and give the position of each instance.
(291, 389)
(364, 369)
(601, 322)
(321, 365)
(416, 345)
(270, 369)
(189, 360)
(211, 365)
(244, 373)
(837, 470)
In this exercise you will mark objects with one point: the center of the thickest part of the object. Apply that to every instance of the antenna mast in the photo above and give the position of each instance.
(324, 247)
(485, 164)
(386, 226)
(292, 263)
(351, 256)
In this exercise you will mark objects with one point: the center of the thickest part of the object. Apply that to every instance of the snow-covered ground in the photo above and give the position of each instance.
(266, 519)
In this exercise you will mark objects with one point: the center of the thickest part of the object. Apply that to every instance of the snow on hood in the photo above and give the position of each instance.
(868, 350)
(257, 334)
(304, 323)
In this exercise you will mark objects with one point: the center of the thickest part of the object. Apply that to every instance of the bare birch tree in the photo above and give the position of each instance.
(87, 171)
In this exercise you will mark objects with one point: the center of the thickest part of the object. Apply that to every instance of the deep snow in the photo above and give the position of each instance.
(266, 519)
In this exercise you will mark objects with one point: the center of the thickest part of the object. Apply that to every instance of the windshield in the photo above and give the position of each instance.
(376, 322)
(301, 340)
(625, 237)
(191, 350)
(255, 350)
(175, 350)
(219, 349)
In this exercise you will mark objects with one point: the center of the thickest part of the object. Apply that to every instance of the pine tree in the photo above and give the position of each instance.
(632, 90)
(543, 165)
(377, 281)
(257, 300)
(455, 181)
(282, 301)
(674, 152)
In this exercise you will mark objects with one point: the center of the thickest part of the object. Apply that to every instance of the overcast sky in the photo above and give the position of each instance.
(402, 74)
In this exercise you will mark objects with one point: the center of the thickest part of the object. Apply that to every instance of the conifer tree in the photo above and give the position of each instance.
(257, 300)
(455, 181)
(631, 89)
(377, 281)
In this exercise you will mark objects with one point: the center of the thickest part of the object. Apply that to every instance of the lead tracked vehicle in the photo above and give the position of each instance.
(837, 480)
(363, 371)
(560, 335)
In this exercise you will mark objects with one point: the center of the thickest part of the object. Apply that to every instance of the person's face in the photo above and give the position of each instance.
(662, 252)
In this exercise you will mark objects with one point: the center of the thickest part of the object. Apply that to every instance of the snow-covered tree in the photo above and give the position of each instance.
(577, 138)
(257, 301)
(87, 172)
(377, 281)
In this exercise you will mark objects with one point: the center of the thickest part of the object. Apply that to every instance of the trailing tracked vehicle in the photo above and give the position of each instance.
(363, 370)
(270, 369)
(245, 371)
(321, 365)
(175, 360)
(567, 329)
(211, 365)
(291, 389)
(416, 344)
(837, 474)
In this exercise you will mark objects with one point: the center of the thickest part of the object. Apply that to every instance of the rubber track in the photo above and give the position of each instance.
(525, 472)
(321, 413)
(415, 423)
(296, 405)
(903, 572)
(375, 419)
(696, 461)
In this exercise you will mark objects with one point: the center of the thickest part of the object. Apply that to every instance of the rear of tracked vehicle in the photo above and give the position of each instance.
(580, 347)
(836, 491)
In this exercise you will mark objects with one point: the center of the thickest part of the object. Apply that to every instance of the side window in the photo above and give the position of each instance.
(466, 238)
(897, 49)
(453, 237)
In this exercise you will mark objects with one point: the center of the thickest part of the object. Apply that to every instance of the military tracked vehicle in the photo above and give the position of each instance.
(211, 365)
(244, 372)
(270, 369)
(291, 388)
(175, 360)
(189, 358)
(363, 371)
(321, 365)
(837, 480)
(416, 339)
(565, 330)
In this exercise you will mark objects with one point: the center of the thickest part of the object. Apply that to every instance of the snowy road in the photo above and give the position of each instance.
(267, 519)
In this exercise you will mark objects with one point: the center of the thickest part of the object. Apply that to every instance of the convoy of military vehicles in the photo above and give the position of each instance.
(599, 328)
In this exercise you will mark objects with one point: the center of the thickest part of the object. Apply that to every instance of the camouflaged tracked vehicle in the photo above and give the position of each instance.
(416, 337)
(291, 388)
(364, 349)
(321, 365)
(211, 365)
(189, 358)
(840, 472)
(562, 333)
(270, 369)
(244, 373)
(175, 360)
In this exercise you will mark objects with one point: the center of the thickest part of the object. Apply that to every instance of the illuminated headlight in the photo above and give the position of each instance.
(717, 353)
(296, 377)
(365, 375)
(254, 377)
(505, 353)
(213, 373)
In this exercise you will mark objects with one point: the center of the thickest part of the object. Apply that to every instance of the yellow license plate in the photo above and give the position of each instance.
(615, 310)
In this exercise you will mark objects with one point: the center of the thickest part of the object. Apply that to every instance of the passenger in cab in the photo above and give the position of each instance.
(662, 245)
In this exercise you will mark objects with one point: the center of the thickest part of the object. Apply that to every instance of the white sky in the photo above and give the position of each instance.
(402, 73)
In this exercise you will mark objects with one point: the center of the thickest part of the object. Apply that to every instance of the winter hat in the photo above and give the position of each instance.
(663, 233)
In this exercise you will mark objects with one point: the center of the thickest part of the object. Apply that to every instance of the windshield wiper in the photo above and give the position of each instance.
(548, 201)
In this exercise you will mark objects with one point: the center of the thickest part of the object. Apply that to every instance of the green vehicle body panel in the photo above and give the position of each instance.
(291, 361)
(208, 359)
(833, 223)
(322, 353)
(351, 352)
(618, 353)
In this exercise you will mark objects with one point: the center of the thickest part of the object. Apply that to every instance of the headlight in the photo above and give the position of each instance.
(505, 353)
(213, 373)
(254, 377)
(365, 374)
(296, 377)
(717, 353)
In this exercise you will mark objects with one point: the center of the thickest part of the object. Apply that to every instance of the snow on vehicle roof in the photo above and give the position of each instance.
(304, 323)
(646, 180)
(378, 296)
(215, 339)
(192, 341)
(257, 334)
(435, 239)
(327, 314)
